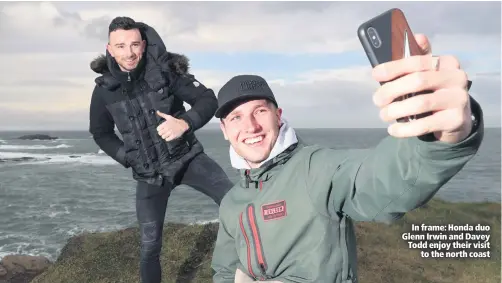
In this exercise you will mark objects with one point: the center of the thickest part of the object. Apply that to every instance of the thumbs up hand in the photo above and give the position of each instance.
(172, 128)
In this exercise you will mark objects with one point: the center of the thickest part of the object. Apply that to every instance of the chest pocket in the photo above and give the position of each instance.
(160, 100)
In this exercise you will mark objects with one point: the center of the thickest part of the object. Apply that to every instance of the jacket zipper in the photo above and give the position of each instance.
(250, 267)
(260, 257)
(131, 108)
(343, 244)
(248, 179)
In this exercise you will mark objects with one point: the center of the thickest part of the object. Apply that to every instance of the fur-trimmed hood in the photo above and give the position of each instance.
(155, 51)
(177, 63)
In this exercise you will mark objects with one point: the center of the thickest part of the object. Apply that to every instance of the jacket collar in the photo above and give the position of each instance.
(124, 77)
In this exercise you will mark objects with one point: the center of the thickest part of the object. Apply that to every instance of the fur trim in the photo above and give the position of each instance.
(99, 65)
(177, 63)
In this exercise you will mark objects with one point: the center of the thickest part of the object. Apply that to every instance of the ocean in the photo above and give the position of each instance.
(68, 186)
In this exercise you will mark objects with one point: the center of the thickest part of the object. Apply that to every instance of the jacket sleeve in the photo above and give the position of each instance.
(225, 259)
(202, 100)
(384, 183)
(102, 128)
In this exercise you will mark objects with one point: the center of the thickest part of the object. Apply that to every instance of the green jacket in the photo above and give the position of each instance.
(291, 220)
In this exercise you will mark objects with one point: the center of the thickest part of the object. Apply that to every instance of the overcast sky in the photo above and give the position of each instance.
(309, 52)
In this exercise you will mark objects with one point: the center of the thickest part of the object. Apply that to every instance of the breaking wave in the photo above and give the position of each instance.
(36, 146)
(42, 158)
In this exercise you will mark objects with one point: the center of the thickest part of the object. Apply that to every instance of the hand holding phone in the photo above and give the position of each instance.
(436, 94)
(388, 37)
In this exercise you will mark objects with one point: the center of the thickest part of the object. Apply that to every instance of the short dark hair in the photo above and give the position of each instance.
(124, 23)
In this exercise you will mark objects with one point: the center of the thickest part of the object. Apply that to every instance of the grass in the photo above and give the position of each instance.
(383, 256)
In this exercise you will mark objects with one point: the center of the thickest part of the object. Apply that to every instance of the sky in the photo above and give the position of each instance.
(307, 51)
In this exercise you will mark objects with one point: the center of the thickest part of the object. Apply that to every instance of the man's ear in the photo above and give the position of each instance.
(109, 48)
(279, 115)
(222, 127)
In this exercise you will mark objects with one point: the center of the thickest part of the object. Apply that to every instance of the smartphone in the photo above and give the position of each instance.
(388, 37)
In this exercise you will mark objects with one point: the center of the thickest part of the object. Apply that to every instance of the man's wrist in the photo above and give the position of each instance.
(186, 126)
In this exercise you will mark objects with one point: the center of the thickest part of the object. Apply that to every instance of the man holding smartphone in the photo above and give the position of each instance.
(290, 218)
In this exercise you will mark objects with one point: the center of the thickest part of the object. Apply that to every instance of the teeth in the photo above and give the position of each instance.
(254, 140)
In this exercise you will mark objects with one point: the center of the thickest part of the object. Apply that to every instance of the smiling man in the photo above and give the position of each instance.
(141, 90)
(290, 218)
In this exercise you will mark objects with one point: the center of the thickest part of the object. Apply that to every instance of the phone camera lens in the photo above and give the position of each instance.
(374, 38)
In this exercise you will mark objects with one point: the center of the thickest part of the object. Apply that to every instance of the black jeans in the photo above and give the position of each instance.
(202, 174)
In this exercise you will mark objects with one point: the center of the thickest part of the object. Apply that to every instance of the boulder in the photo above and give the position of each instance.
(23, 159)
(37, 137)
(22, 268)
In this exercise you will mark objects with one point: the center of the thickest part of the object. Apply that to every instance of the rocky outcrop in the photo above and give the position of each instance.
(23, 159)
(37, 137)
(22, 268)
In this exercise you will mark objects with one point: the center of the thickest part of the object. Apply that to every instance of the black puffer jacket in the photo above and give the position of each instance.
(130, 100)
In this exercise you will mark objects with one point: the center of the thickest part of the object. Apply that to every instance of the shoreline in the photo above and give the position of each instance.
(213, 221)
(188, 248)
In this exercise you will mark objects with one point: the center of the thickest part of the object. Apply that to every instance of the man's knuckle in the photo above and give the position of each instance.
(384, 113)
(462, 78)
(420, 79)
(426, 127)
(457, 120)
(424, 102)
(462, 97)
(423, 62)
(453, 61)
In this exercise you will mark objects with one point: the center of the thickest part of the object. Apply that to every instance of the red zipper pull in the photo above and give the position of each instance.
(261, 185)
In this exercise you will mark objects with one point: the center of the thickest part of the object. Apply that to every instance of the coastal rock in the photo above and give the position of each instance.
(22, 268)
(23, 159)
(37, 137)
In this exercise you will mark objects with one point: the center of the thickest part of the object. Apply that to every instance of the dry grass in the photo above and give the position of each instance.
(383, 255)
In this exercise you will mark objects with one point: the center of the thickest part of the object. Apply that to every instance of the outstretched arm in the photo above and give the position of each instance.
(102, 128)
(399, 175)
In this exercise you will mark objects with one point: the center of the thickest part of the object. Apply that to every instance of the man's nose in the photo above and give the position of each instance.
(251, 125)
(129, 51)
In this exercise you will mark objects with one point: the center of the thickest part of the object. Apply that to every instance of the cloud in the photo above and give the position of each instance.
(47, 47)
(40, 83)
(315, 98)
(282, 27)
(42, 120)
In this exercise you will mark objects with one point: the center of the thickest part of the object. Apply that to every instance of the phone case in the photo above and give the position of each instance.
(396, 41)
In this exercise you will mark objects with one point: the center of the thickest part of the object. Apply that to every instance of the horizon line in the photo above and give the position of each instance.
(214, 128)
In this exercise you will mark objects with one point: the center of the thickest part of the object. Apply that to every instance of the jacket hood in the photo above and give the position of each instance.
(176, 63)
(155, 51)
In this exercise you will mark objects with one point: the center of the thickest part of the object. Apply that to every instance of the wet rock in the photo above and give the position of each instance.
(23, 159)
(22, 268)
(37, 137)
